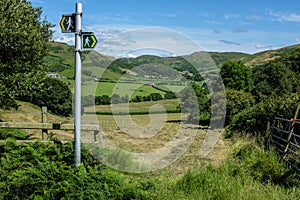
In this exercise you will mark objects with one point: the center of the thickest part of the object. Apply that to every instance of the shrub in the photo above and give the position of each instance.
(256, 120)
(46, 171)
(237, 101)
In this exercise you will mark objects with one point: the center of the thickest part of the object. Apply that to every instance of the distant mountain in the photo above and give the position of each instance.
(61, 60)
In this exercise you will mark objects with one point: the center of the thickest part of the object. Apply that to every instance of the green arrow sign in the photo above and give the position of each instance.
(89, 41)
(67, 23)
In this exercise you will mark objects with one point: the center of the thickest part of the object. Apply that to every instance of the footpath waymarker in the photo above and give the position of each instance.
(67, 23)
(72, 23)
(89, 40)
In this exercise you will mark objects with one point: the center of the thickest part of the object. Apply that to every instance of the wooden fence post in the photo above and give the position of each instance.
(44, 120)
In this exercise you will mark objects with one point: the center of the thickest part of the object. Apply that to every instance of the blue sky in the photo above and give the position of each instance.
(215, 25)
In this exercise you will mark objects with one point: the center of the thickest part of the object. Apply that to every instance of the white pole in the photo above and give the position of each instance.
(77, 117)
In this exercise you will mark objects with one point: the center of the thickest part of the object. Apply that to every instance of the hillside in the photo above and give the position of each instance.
(61, 60)
(266, 56)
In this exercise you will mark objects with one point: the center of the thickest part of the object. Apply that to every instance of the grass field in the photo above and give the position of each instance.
(130, 89)
(234, 169)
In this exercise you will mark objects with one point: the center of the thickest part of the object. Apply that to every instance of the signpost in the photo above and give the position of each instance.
(67, 23)
(89, 40)
(72, 23)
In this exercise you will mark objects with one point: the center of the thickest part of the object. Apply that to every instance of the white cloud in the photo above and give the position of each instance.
(263, 46)
(154, 41)
(289, 17)
(66, 38)
(229, 16)
(124, 40)
(172, 15)
(256, 17)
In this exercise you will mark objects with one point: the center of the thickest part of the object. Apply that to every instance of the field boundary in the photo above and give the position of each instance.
(45, 126)
(285, 138)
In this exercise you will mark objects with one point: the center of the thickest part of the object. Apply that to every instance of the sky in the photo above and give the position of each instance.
(131, 27)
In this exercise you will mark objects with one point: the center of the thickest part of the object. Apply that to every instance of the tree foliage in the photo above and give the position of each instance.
(195, 102)
(256, 119)
(237, 101)
(24, 42)
(237, 76)
(54, 94)
(278, 77)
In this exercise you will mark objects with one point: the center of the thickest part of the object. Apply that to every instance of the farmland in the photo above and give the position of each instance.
(130, 89)
(227, 172)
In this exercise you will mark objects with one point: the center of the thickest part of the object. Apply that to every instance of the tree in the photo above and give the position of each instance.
(155, 96)
(237, 76)
(170, 95)
(195, 102)
(54, 94)
(115, 99)
(237, 101)
(278, 77)
(102, 100)
(24, 43)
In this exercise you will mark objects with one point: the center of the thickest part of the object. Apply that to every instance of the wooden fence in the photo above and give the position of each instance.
(285, 138)
(44, 126)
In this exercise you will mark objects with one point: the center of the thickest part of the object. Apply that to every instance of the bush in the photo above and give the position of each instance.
(237, 101)
(13, 133)
(46, 171)
(256, 120)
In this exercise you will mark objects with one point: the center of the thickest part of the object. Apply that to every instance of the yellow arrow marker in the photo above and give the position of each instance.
(94, 41)
(62, 23)
(67, 23)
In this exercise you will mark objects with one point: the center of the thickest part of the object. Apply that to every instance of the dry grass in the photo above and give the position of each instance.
(32, 114)
(169, 130)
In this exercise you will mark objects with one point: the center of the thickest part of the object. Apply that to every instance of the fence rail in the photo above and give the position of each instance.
(45, 126)
(285, 138)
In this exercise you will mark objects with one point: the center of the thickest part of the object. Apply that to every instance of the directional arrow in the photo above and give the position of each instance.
(67, 23)
(89, 40)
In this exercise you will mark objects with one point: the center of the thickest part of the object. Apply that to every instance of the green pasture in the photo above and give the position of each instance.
(123, 89)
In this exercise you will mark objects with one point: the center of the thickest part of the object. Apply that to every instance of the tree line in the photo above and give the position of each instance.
(91, 100)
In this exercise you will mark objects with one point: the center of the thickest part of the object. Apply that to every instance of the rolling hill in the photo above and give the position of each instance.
(61, 60)
(266, 56)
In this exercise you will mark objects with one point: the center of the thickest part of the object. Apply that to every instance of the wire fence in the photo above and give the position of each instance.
(285, 138)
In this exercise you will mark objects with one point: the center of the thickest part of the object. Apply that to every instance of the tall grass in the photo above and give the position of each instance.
(47, 171)
(249, 173)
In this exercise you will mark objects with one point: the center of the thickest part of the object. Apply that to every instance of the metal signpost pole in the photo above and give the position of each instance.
(72, 23)
(77, 118)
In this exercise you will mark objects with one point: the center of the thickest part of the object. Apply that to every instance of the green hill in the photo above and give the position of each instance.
(266, 56)
(60, 57)
(61, 60)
